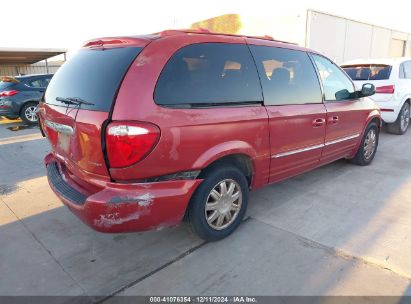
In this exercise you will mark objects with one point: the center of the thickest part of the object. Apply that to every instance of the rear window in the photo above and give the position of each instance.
(5, 85)
(93, 75)
(368, 71)
(209, 73)
(7, 82)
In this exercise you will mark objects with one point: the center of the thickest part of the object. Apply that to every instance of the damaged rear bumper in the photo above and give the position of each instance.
(122, 207)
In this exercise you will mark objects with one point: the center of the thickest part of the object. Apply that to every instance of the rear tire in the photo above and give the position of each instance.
(29, 113)
(219, 204)
(368, 148)
(400, 126)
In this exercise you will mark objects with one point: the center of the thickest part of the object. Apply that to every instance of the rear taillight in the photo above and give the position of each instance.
(389, 89)
(129, 142)
(8, 93)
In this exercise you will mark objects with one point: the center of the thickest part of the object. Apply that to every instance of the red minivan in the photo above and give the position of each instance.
(148, 130)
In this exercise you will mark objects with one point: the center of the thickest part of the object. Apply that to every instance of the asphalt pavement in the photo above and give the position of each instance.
(338, 230)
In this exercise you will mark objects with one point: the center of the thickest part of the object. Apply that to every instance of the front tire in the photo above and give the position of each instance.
(400, 126)
(29, 113)
(368, 148)
(219, 203)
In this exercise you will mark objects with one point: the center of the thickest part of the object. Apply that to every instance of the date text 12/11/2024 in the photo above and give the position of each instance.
(204, 299)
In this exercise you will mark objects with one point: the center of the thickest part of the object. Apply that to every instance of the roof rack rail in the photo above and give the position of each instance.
(206, 31)
(179, 31)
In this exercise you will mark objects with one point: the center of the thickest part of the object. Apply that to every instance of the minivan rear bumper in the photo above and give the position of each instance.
(123, 207)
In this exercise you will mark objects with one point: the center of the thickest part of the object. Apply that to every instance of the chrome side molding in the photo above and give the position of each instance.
(298, 151)
(341, 139)
(328, 143)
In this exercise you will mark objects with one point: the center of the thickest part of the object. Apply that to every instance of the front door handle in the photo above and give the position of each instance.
(318, 122)
(333, 120)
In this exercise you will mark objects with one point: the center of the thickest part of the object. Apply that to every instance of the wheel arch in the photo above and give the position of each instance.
(374, 116)
(237, 153)
(406, 98)
(240, 161)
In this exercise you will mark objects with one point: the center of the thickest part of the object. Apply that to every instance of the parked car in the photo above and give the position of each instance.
(19, 96)
(392, 79)
(148, 130)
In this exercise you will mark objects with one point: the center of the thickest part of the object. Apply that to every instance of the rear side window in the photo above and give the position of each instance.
(93, 75)
(287, 76)
(368, 71)
(209, 73)
(36, 83)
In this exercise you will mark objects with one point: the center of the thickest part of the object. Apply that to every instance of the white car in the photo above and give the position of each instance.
(392, 81)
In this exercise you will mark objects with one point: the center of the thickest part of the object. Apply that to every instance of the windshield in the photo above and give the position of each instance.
(368, 71)
(92, 75)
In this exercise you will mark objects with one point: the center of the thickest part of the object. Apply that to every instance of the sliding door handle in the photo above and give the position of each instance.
(318, 122)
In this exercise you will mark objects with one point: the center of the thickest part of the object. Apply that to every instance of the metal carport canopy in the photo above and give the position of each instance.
(27, 55)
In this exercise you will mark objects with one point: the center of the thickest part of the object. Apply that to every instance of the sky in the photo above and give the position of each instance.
(67, 24)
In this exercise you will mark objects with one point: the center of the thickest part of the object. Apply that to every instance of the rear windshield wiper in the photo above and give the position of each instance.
(74, 100)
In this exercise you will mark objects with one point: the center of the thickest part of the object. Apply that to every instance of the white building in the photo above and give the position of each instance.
(337, 37)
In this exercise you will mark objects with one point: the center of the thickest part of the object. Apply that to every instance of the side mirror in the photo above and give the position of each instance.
(367, 89)
(342, 95)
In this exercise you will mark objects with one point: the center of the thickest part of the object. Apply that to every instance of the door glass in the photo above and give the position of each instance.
(209, 73)
(37, 83)
(287, 76)
(46, 81)
(337, 86)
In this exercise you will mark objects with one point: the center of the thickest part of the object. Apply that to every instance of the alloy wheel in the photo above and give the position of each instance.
(405, 117)
(223, 204)
(31, 113)
(370, 143)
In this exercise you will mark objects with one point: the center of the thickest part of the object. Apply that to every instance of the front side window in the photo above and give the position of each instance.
(337, 86)
(209, 73)
(287, 76)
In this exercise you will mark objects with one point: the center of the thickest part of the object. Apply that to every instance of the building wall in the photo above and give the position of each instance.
(343, 39)
(339, 38)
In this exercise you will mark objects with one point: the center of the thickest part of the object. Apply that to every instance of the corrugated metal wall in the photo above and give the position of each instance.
(343, 39)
